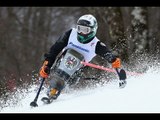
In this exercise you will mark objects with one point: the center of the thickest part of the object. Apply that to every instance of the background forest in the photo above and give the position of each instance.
(26, 33)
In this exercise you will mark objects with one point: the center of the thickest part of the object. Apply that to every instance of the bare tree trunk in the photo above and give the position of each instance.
(153, 30)
(139, 29)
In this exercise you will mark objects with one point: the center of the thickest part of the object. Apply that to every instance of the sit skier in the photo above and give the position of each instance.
(83, 40)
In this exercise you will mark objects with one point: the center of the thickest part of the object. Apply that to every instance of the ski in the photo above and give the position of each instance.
(47, 100)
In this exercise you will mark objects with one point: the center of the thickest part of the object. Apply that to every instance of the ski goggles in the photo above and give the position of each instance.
(83, 29)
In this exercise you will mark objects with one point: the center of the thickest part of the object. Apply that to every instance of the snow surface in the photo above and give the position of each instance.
(141, 95)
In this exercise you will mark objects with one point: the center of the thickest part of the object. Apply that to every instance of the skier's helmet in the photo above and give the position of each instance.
(86, 28)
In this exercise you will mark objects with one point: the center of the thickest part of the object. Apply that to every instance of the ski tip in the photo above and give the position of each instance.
(46, 100)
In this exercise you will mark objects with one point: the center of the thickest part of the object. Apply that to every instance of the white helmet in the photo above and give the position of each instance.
(86, 28)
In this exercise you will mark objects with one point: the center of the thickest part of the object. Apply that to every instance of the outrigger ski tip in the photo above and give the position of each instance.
(122, 75)
(122, 78)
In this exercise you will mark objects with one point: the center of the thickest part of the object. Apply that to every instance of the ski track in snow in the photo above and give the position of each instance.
(141, 95)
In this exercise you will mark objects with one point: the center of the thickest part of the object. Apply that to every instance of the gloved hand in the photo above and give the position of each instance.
(45, 70)
(116, 63)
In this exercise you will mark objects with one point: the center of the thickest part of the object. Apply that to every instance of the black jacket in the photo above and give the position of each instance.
(101, 49)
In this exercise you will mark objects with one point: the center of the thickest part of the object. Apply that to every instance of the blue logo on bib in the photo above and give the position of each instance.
(79, 47)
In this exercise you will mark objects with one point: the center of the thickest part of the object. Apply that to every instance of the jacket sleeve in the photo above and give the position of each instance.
(103, 51)
(57, 48)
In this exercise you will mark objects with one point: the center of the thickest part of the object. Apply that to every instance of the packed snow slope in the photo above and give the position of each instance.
(141, 95)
